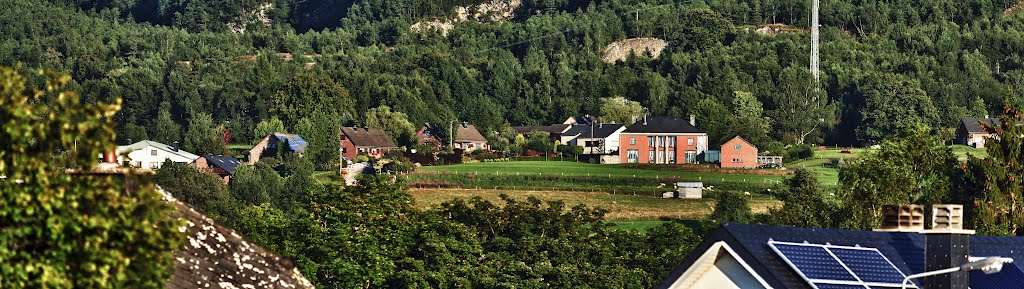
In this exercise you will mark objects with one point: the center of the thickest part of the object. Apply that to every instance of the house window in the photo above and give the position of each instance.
(689, 141)
(672, 141)
(154, 165)
(632, 156)
(152, 152)
(691, 157)
(632, 141)
(138, 164)
(737, 160)
(738, 146)
(671, 157)
(651, 140)
(650, 157)
(661, 156)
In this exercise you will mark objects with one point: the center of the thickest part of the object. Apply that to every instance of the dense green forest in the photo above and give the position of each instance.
(184, 66)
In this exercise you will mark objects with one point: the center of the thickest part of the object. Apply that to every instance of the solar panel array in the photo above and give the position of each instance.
(827, 266)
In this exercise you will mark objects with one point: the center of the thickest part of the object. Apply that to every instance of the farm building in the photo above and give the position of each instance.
(738, 153)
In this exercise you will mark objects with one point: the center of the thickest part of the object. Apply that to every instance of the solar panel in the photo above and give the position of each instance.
(826, 266)
(838, 286)
(869, 265)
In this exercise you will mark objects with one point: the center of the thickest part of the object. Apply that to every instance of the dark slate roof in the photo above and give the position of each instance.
(554, 129)
(972, 124)
(368, 137)
(662, 124)
(600, 130)
(905, 250)
(215, 256)
(227, 164)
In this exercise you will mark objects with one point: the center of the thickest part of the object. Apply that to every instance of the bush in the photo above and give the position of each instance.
(361, 158)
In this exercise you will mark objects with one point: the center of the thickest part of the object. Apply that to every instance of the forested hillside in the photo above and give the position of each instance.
(183, 65)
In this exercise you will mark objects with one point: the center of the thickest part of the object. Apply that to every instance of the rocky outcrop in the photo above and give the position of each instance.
(619, 50)
(493, 11)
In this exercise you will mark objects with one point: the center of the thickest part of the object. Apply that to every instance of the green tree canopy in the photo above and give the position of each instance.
(59, 230)
(395, 124)
(620, 110)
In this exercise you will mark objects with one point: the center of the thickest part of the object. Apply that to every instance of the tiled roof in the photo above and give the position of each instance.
(662, 124)
(464, 132)
(974, 124)
(599, 130)
(368, 137)
(215, 256)
(905, 250)
(148, 143)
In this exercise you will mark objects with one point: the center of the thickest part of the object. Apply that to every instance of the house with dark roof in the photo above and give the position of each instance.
(372, 141)
(467, 137)
(595, 138)
(554, 131)
(662, 140)
(761, 256)
(971, 133)
(275, 142)
(149, 154)
(220, 165)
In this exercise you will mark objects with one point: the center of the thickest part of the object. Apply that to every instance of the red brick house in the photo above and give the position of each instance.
(738, 153)
(662, 140)
(374, 142)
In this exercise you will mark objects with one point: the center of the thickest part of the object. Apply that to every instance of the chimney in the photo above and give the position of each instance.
(693, 121)
(465, 124)
(947, 245)
(110, 157)
(645, 119)
(174, 146)
(902, 218)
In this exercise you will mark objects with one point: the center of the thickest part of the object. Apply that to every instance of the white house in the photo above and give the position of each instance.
(594, 138)
(150, 155)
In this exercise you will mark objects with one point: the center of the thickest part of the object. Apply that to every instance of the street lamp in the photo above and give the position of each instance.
(988, 265)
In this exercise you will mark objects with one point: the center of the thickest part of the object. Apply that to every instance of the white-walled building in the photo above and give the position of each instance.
(150, 155)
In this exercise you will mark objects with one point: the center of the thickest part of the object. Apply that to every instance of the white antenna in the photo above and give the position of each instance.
(814, 42)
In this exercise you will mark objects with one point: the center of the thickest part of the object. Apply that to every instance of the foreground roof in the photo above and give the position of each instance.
(215, 256)
(148, 143)
(905, 250)
(972, 124)
(662, 124)
(368, 137)
(599, 130)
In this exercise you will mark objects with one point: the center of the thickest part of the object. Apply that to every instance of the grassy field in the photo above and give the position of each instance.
(593, 170)
(620, 207)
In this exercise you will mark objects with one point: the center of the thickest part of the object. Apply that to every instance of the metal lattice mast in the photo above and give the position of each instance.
(814, 41)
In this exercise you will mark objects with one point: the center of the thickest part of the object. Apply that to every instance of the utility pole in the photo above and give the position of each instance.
(814, 42)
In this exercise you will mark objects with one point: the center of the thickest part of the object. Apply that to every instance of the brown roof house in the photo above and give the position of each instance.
(971, 133)
(374, 142)
(554, 131)
(467, 137)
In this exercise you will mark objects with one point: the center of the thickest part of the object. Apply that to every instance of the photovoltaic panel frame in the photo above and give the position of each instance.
(826, 266)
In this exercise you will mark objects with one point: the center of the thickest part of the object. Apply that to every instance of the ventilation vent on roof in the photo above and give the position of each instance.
(947, 217)
(902, 218)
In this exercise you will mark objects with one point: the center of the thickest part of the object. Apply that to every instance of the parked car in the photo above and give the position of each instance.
(769, 166)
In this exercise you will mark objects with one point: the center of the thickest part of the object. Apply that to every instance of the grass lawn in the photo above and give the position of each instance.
(961, 151)
(595, 170)
(620, 207)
